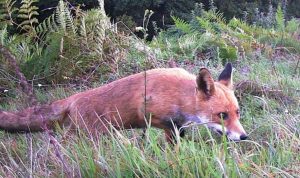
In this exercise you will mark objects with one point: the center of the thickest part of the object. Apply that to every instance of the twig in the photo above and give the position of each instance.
(26, 88)
(29, 139)
(58, 153)
(297, 65)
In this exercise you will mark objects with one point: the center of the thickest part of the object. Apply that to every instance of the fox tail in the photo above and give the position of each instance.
(34, 118)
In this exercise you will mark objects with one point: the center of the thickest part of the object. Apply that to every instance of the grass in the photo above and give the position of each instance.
(272, 151)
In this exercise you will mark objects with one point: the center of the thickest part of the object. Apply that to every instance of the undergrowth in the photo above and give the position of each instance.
(271, 151)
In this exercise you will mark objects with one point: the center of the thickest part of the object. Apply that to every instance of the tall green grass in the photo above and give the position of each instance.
(272, 150)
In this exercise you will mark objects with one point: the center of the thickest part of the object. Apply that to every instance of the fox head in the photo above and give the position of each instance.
(218, 104)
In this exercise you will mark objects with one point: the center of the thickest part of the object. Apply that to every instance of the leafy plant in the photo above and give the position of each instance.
(27, 13)
(3, 35)
(292, 26)
(280, 19)
(7, 10)
(81, 40)
(182, 25)
(64, 18)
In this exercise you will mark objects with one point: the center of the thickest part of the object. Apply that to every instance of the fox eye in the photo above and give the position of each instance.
(223, 115)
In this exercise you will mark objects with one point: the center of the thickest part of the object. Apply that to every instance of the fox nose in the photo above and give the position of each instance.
(243, 137)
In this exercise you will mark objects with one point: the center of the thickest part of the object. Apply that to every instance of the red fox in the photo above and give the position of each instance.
(166, 98)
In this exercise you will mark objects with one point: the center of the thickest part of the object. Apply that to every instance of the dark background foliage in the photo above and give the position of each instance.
(72, 33)
(132, 11)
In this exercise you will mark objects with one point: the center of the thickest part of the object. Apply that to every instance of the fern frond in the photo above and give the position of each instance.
(182, 25)
(215, 16)
(212, 5)
(235, 23)
(292, 26)
(47, 25)
(198, 10)
(192, 42)
(3, 35)
(69, 21)
(205, 24)
(280, 19)
(7, 10)
(92, 28)
(27, 14)
(83, 30)
(60, 16)
(51, 23)
(64, 18)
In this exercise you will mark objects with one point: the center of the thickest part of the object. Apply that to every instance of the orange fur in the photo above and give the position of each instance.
(173, 97)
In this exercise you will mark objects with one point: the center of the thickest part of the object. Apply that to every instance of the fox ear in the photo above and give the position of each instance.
(205, 82)
(226, 76)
